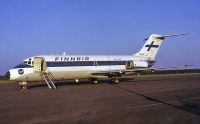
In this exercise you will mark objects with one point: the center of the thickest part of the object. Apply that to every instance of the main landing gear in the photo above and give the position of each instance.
(94, 81)
(115, 80)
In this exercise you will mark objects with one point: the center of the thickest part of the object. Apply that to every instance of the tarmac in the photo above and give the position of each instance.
(169, 99)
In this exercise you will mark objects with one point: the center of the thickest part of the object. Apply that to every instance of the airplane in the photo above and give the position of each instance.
(50, 68)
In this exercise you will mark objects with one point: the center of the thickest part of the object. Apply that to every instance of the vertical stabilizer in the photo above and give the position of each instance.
(152, 45)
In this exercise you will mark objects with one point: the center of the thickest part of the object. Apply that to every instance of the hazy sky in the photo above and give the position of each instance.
(32, 27)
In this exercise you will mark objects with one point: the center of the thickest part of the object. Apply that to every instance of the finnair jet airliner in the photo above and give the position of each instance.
(51, 68)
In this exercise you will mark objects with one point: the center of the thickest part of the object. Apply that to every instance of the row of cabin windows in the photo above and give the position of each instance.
(85, 63)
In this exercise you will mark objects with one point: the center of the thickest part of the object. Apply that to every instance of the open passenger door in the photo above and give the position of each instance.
(39, 65)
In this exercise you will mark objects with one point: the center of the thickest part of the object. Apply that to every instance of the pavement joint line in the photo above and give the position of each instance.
(156, 104)
(159, 102)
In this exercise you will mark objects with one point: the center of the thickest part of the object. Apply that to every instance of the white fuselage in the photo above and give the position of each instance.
(71, 67)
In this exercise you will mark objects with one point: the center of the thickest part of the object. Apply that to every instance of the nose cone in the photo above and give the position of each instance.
(15, 74)
(8, 74)
(12, 74)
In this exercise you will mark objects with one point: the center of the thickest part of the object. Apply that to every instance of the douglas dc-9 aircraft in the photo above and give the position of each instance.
(51, 68)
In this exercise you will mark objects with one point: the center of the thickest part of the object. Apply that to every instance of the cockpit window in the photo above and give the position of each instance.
(22, 66)
(25, 62)
(29, 61)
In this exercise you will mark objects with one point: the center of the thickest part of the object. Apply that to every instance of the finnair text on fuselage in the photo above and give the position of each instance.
(72, 58)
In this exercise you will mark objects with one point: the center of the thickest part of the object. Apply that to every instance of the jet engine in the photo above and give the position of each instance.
(136, 64)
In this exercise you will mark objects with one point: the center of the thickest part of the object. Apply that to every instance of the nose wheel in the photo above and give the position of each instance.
(23, 85)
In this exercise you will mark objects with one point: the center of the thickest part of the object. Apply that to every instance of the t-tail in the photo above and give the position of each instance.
(152, 45)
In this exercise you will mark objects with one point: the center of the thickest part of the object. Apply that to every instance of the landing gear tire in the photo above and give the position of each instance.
(94, 81)
(23, 85)
(115, 81)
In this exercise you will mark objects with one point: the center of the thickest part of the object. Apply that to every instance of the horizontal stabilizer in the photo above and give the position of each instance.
(176, 34)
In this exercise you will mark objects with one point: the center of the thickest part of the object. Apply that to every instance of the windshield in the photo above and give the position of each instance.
(25, 62)
(22, 65)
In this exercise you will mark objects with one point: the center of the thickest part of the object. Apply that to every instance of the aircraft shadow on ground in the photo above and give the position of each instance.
(82, 82)
(137, 79)
(63, 83)
(189, 106)
(72, 82)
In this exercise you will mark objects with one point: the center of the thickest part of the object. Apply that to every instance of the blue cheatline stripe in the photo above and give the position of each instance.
(76, 63)
(84, 63)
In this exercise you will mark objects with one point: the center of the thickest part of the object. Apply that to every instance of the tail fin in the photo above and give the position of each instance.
(152, 45)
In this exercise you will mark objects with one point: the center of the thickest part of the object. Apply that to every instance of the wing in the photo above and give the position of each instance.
(117, 73)
(120, 73)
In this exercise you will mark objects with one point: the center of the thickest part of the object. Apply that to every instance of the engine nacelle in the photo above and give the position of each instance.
(136, 64)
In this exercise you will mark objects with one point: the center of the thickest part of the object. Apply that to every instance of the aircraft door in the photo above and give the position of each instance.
(39, 65)
(95, 64)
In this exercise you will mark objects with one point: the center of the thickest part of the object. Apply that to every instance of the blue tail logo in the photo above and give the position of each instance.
(151, 45)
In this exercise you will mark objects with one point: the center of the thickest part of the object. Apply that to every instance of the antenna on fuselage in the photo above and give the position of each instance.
(64, 54)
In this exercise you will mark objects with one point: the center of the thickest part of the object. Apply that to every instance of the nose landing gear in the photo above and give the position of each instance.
(23, 85)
